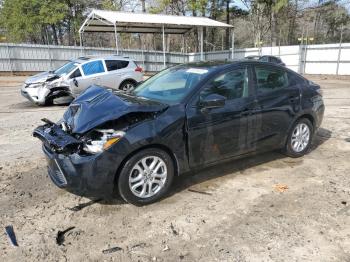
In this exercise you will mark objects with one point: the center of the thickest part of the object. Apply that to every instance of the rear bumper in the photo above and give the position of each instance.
(319, 109)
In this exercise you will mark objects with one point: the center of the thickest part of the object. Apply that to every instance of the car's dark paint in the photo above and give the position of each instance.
(97, 105)
(267, 58)
(194, 136)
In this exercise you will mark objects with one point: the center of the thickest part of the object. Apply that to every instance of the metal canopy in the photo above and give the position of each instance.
(126, 22)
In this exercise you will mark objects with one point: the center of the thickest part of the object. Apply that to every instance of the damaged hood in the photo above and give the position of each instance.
(41, 78)
(97, 105)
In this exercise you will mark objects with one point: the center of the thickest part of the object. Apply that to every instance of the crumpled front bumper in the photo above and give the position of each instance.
(36, 95)
(84, 175)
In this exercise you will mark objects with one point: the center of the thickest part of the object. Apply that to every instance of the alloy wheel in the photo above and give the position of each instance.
(148, 176)
(300, 137)
(128, 87)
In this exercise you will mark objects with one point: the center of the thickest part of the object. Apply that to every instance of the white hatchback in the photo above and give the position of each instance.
(65, 83)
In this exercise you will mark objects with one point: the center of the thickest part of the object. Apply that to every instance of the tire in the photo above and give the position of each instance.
(48, 102)
(134, 177)
(296, 145)
(127, 85)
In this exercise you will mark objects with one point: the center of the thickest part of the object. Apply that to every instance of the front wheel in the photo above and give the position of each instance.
(146, 177)
(127, 86)
(299, 138)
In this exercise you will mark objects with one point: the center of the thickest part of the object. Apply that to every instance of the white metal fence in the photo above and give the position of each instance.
(311, 59)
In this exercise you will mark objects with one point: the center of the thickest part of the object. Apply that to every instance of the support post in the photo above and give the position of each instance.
(163, 35)
(201, 36)
(233, 45)
(116, 38)
(183, 43)
(339, 50)
(81, 43)
(305, 52)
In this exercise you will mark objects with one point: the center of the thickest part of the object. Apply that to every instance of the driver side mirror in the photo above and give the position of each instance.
(212, 101)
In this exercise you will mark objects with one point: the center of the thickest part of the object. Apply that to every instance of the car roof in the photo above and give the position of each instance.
(221, 64)
(84, 59)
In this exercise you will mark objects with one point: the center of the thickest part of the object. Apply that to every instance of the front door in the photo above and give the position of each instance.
(93, 71)
(219, 133)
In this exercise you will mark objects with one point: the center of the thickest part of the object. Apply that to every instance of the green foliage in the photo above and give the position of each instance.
(20, 18)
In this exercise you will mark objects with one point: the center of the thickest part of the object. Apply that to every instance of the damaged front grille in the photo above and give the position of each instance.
(57, 175)
(56, 139)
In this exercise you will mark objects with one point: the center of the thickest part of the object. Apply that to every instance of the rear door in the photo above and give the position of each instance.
(278, 100)
(219, 133)
(92, 74)
(117, 71)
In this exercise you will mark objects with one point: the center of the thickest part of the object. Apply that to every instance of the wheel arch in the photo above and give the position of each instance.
(157, 146)
(308, 116)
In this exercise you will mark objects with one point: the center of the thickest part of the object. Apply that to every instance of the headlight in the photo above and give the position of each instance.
(58, 84)
(37, 85)
(102, 140)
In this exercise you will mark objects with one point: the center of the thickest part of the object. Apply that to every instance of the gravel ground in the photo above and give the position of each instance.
(238, 216)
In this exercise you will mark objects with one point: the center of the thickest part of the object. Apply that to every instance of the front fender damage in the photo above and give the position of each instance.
(95, 110)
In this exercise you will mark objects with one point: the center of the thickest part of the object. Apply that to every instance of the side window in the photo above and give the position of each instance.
(232, 85)
(75, 74)
(293, 79)
(270, 79)
(116, 64)
(123, 63)
(93, 67)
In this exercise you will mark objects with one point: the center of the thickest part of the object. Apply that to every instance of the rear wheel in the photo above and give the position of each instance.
(299, 138)
(127, 86)
(146, 177)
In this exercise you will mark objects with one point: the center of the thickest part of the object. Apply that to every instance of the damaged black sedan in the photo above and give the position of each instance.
(181, 119)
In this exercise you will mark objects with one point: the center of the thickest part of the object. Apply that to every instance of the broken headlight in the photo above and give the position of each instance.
(102, 139)
(36, 85)
(57, 84)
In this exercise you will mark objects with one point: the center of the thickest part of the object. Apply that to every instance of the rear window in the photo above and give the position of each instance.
(275, 60)
(116, 64)
(93, 67)
(264, 59)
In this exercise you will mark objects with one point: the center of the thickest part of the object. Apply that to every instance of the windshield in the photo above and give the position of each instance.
(65, 69)
(171, 85)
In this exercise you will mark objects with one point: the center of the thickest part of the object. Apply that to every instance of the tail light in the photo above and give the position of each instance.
(138, 69)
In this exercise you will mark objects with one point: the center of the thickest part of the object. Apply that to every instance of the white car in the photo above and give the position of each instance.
(66, 82)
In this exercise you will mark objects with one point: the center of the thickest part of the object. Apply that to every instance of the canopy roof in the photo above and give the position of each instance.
(105, 21)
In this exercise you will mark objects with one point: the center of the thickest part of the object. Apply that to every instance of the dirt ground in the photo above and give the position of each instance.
(239, 217)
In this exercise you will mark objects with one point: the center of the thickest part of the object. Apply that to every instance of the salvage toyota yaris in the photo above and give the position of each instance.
(183, 118)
